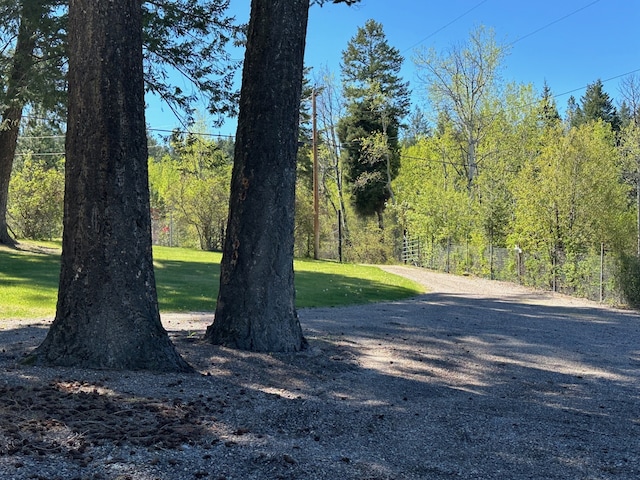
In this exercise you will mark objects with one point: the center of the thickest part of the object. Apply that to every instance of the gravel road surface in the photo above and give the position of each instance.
(472, 380)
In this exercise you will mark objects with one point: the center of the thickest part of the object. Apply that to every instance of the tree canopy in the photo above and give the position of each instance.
(377, 99)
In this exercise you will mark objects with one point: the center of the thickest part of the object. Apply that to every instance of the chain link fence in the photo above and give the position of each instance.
(591, 276)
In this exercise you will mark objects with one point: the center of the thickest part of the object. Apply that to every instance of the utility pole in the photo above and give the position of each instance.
(316, 198)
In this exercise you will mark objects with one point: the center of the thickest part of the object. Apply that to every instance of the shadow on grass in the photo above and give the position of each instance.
(315, 289)
(39, 269)
(185, 286)
(30, 279)
(193, 287)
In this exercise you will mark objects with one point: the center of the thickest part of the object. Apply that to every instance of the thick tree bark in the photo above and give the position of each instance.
(14, 104)
(107, 314)
(8, 140)
(256, 304)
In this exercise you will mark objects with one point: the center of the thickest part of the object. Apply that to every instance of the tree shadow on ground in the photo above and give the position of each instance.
(437, 386)
(527, 390)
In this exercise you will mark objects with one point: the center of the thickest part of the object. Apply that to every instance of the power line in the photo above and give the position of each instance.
(40, 137)
(603, 81)
(554, 22)
(188, 132)
(31, 154)
(445, 26)
(217, 135)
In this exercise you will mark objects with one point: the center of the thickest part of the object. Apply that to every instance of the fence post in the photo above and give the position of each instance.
(601, 272)
(491, 275)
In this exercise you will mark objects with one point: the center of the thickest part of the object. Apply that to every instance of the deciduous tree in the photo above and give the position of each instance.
(462, 82)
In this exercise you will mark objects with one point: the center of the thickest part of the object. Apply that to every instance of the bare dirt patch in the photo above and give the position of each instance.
(474, 379)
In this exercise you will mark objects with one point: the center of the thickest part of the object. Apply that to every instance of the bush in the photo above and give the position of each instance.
(629, 279)
(36, 200)
(369, 244)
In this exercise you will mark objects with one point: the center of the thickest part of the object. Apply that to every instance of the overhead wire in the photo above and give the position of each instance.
(553, 22)
(435, 32)
(445, 26)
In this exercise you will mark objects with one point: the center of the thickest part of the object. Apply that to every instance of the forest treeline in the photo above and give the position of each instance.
(483, 162)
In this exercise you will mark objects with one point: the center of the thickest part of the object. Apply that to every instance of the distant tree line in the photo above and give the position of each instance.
(492, 164)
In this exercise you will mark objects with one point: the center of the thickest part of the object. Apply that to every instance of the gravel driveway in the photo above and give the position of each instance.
(499, 381)
(472, 380)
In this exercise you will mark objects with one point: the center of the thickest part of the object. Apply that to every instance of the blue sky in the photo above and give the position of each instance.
(568, 43)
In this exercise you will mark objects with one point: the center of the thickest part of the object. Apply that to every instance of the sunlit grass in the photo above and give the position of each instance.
(321, 284)
(187, 280)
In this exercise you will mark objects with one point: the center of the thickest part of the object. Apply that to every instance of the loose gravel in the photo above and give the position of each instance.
(472, 380)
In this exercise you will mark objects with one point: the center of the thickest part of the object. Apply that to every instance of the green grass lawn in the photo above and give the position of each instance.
(187, 280)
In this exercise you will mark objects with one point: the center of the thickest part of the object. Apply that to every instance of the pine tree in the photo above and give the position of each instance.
(595, 105)
(377, 101)
(256, 302)
(548, 111)
(107, 312)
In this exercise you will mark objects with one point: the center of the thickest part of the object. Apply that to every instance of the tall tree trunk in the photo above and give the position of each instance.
(14, 103)
(8, 140)
(107, 314)
(256, 303)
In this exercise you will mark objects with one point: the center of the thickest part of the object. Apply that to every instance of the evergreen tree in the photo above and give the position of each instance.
(573, 112)
(625, 115)
(256, 302)
(190, 37)
(595, 105)
(377, 100)
(417, 128)
(107, 312)
(548, 114)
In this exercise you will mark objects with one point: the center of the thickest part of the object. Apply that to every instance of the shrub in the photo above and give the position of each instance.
(36, 199)
(629, 279)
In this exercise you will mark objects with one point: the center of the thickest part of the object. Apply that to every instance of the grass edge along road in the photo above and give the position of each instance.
(187, 281)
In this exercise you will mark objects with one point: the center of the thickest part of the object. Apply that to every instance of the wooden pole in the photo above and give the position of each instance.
(316, 199)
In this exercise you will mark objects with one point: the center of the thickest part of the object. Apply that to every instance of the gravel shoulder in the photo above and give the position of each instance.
(473, 379)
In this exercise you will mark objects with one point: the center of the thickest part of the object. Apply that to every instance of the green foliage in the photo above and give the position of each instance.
(187, 281)
(548, 111)
(596, 105)
(431, 195)
(556, 194)
(377, 100)
(370, 61)
(303, 229)
(370, 244)
(629, 279)
(186, 36)
(190, 193)
(36, 195)
(569, 198)
(35, 73)
(191, 37)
